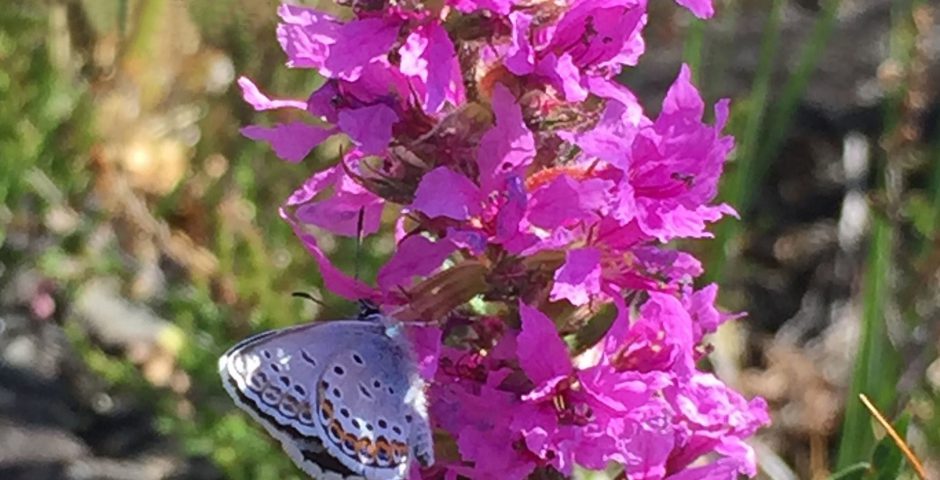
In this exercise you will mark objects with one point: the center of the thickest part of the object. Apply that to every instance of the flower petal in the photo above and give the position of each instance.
(445, 193)
(415, 256)
(428, 56)
(564, 75)
(565, 201)
(358, 43)
(369, 127)
(333, 278)
(259, 101)
(290, 141)
(542, 353)
(339, 214)
(520, 58)
(701, 8)
(579, 279)
(683, 98)
(306, 35)
(508, 145)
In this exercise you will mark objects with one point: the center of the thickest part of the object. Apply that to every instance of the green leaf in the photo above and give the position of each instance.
(855, 471)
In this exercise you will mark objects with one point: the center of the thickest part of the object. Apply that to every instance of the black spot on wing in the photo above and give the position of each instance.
(307, 358)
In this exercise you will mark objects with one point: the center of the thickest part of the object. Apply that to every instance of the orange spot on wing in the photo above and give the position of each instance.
(383, 447)
(400, 450)
(365, 447)
(337, 429)
(327, 408)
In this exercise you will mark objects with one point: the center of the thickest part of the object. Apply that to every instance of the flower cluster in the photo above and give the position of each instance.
(535, 199)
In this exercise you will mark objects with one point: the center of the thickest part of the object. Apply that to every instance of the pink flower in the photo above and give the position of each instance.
(593, 38)
(641, 402)
(521, 175)
(343, 51)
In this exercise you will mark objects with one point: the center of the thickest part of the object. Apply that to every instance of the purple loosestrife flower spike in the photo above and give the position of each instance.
(529, 190)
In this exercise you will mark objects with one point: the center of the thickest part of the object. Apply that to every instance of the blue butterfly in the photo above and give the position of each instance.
(344, 397)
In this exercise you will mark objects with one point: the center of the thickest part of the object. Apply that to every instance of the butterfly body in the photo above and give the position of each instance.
(344, 397)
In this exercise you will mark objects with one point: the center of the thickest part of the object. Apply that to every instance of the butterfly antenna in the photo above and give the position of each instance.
(307, 296)
(359, 223)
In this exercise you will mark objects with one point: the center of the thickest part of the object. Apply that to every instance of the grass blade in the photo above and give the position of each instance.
(738, 184)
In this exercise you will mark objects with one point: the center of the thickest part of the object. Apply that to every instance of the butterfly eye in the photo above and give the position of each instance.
(339, 370)
(356, 358)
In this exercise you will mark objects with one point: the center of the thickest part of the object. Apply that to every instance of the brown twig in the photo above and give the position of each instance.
(918, 467)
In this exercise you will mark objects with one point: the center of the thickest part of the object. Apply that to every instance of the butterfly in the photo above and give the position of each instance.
(343, 397)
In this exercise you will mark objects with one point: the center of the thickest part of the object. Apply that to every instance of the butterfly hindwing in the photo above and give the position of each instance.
(374, 399)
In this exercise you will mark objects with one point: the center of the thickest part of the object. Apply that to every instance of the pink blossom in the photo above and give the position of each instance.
(495, 134)
(593, 38)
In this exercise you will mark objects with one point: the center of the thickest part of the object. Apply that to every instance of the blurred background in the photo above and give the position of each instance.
(139, 236)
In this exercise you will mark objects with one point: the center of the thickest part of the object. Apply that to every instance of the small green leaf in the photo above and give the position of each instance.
(855, 471)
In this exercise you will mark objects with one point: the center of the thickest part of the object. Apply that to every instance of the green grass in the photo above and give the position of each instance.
(877, 367)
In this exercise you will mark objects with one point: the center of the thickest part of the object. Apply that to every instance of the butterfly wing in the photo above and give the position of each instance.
(373, 409)
(273, 376)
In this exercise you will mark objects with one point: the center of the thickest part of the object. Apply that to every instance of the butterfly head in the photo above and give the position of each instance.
(370, 312)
